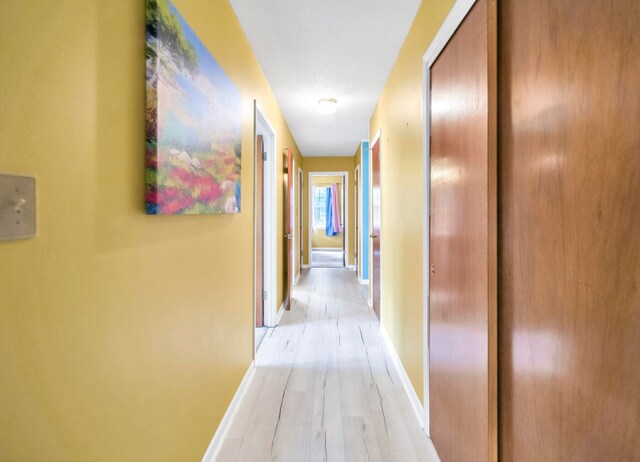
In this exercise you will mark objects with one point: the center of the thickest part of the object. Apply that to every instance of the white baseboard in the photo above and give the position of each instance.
(364, 282)
(218, 439)
(370, 303)
(281, 311)
(351, 267)
(305, 266)
(404, 378)
(295, 282)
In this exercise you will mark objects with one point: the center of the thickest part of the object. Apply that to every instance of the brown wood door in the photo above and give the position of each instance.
(570, 231)
(259, 231)
(375, 228)
(462, 294)
(288, 227)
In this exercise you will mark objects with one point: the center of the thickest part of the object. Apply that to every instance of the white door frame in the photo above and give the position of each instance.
(357, 253)
(376, 138)
(300, 238)
(270, 270)
(345, 212)
(457, 14)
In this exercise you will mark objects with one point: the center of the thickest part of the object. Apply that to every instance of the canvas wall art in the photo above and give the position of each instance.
(193, 121)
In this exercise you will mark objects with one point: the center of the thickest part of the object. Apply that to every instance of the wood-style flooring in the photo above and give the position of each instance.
(325, 388)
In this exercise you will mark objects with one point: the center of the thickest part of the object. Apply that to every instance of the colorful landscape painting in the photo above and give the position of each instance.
(193, 121)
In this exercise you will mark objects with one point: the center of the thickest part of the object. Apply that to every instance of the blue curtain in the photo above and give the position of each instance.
(330, 229)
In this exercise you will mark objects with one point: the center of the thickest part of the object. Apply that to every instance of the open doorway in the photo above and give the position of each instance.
(265, 259)
(328, 219)
(300, 231)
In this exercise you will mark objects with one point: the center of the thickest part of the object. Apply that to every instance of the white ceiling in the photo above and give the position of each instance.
(312, 49)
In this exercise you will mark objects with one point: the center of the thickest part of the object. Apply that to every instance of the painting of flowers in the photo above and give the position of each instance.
(193, 121)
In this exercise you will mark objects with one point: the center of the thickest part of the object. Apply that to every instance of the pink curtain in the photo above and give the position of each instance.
(336, 208)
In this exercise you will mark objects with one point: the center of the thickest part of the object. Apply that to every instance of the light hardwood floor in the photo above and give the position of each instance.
(325, 388)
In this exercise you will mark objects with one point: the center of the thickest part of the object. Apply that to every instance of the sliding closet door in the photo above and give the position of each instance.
(463, 376)
(570, 231)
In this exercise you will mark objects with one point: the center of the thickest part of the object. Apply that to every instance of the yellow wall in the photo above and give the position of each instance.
(122, 336)
(329, 164)
(398, 114)
(319, 238)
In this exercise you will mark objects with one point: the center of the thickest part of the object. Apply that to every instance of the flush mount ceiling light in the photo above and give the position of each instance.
(327, 105)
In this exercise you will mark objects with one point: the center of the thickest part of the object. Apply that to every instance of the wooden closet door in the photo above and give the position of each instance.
(570, 231)
(463, 358)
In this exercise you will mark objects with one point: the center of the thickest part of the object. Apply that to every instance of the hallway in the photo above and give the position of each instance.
(325, 388)
(327, 258)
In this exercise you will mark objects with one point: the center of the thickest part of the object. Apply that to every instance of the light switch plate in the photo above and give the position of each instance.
(17, 207)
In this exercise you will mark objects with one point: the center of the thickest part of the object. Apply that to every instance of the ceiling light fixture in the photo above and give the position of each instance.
(327, 105)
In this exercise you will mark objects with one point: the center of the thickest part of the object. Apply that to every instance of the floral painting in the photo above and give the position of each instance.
(193, 121)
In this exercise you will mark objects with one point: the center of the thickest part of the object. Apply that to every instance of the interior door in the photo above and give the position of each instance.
(259, 231)
(289, 225)
(462, 287)
(375, 228)
(570, 224)
(356, 238)
(343, 219)
(301, 216)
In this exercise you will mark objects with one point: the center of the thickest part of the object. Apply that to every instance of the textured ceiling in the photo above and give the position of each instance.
(341, 49)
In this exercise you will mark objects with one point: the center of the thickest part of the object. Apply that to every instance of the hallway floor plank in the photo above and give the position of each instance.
(325, 388)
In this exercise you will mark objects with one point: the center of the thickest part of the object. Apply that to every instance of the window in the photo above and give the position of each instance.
(320, 207)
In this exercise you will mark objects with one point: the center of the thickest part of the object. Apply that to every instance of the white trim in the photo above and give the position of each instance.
(281, 311)
(370, 302)
(303, 266)
(357, 252)
(351, 267)
(270, 269)
(300, 229)
(295, 283)
(375, 138)
(218, 438)
(345, 212)
(404, 377)
(293, 200)
(449, 26)
(364, 282)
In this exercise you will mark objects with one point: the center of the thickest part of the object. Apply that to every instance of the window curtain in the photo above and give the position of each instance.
(333, 211)
(313, 210)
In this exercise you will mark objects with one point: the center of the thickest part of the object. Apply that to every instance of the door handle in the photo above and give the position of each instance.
(433, 269)
(373, 235)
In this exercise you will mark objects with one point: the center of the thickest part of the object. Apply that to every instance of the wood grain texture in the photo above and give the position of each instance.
(463, 300)
(259, 232)
(570, 231)
(376, 222)
(325, 388)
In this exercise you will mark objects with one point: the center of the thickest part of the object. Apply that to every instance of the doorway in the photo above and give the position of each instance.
(265, 260)
(356, 236)
(288, 226)
(376, 223)
(327, 219)
(300, 234)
